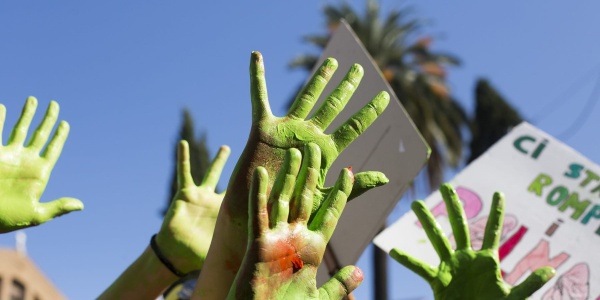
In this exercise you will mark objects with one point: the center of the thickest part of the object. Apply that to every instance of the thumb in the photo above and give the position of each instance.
(50, 210)
(365, 181)
(341, 284)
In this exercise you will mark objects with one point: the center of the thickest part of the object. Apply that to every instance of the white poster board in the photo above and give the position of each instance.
(552, 215)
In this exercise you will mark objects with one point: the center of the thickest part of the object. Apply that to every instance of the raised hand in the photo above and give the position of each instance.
(189, 224)
(270, 138)
(25, 170)
(284, 247)
(465, 273)
(184, 237)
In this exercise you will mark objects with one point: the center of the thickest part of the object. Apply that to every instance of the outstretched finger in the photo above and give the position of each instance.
(331, 210)
(360, 121)
(457, 217)
(493, 228)
(419, 267)
(258, 219)
(341, 284)
(279, 199)
(211, 178)
(531, 284)
(433, 230)
(40, 136)
(19, 133)
(57, 142)
(338, 99)
(363, 182)
(306, 184)
(258, 88)
(184, 169)
(2, 119)
(309, 95)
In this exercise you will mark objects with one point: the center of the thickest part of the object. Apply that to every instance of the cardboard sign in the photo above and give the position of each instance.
(391, 145)
(552, 214)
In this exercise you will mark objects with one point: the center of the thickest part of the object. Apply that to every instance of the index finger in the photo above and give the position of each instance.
(211, 178)
(331, 210)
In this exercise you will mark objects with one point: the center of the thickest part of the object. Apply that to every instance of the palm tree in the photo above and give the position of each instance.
(199, 155)
(494, 118)
(416, 74)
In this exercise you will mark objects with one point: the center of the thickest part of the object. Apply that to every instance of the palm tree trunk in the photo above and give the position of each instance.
(380, 269)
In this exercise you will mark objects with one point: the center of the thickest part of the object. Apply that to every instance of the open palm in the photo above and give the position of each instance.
(285, 248)
(465, 273)
(189, 224)
(25, 170)
(270, 138)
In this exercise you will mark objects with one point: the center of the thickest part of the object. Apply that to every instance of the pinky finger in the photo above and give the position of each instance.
(532, 283)
(55, 146)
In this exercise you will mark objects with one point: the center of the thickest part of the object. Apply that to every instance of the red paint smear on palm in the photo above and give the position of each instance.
(289, 257)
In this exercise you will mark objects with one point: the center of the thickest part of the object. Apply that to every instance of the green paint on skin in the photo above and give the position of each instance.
(269, 139)
(282, 257)
(187, 229)
(25, 170)
(466, 273)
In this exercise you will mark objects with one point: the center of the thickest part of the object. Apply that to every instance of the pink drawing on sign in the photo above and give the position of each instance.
(572, 285)
(470, 200)
(535, 259)
(511, 243)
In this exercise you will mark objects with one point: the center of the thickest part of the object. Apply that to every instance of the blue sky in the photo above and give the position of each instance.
(123, 71)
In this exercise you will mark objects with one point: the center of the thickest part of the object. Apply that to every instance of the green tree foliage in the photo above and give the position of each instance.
(494, 118)
(415, 72)
(199, 156)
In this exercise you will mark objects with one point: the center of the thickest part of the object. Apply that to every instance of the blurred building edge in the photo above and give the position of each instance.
(21, 279)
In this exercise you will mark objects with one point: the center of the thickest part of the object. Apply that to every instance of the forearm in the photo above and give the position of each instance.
(219, 270)
(145, 278)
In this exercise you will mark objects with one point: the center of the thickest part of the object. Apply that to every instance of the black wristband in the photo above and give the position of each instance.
(163, 259)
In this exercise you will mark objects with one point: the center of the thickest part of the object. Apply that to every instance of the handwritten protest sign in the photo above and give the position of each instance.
(552, 215)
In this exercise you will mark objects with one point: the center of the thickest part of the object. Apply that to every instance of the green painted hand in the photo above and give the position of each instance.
(465, 273)
(270, 138)
(24, 172)
(284, 247)
(188, 227)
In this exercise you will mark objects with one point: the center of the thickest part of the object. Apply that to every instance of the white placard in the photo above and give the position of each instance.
(552, 215)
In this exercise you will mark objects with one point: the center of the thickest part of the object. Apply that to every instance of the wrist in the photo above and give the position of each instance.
(166, 261)
(145, 278)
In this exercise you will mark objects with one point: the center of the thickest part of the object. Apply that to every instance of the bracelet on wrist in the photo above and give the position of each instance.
(163, 259)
